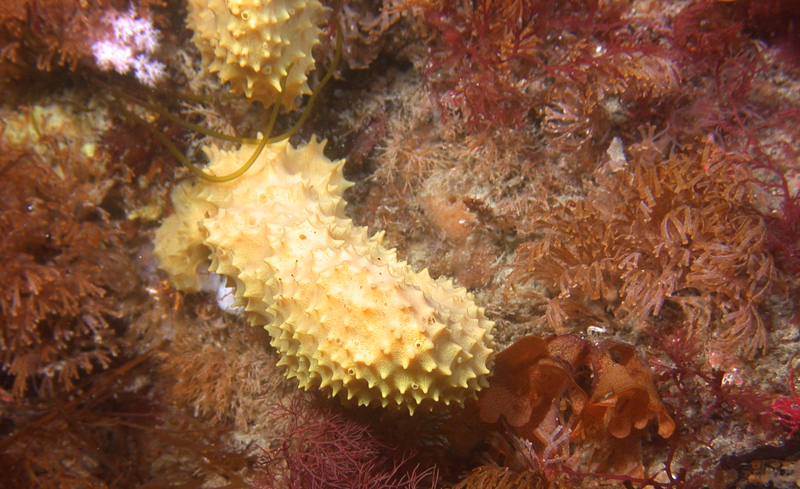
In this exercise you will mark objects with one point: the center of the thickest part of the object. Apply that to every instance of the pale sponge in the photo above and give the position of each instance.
(251, 43)
(345, 314)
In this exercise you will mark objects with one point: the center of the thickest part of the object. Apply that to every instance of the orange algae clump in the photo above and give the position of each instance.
(539, 390)
(623, 394)
(527, 381)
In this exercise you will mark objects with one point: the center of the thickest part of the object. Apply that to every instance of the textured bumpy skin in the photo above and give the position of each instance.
(345, 314)
(251, 43)
(179, 242)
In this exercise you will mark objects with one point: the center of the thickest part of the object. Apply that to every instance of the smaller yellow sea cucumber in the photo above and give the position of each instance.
(252, 43)
(345, 314)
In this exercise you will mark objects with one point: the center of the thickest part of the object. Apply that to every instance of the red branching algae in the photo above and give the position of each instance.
(325, 449)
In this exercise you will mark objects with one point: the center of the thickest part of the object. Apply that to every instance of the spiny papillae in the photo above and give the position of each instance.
(252, 44)
(345, 314)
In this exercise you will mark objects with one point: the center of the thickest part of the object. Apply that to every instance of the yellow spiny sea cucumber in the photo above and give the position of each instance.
(345, 314)
(252, 43)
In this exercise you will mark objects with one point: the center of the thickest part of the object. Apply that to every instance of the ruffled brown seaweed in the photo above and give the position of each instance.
(78, 406)
(64, 272)
(675, 234)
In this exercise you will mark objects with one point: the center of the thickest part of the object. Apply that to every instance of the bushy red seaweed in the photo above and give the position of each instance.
(487, 53)
(786, 410)
(324, 449)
